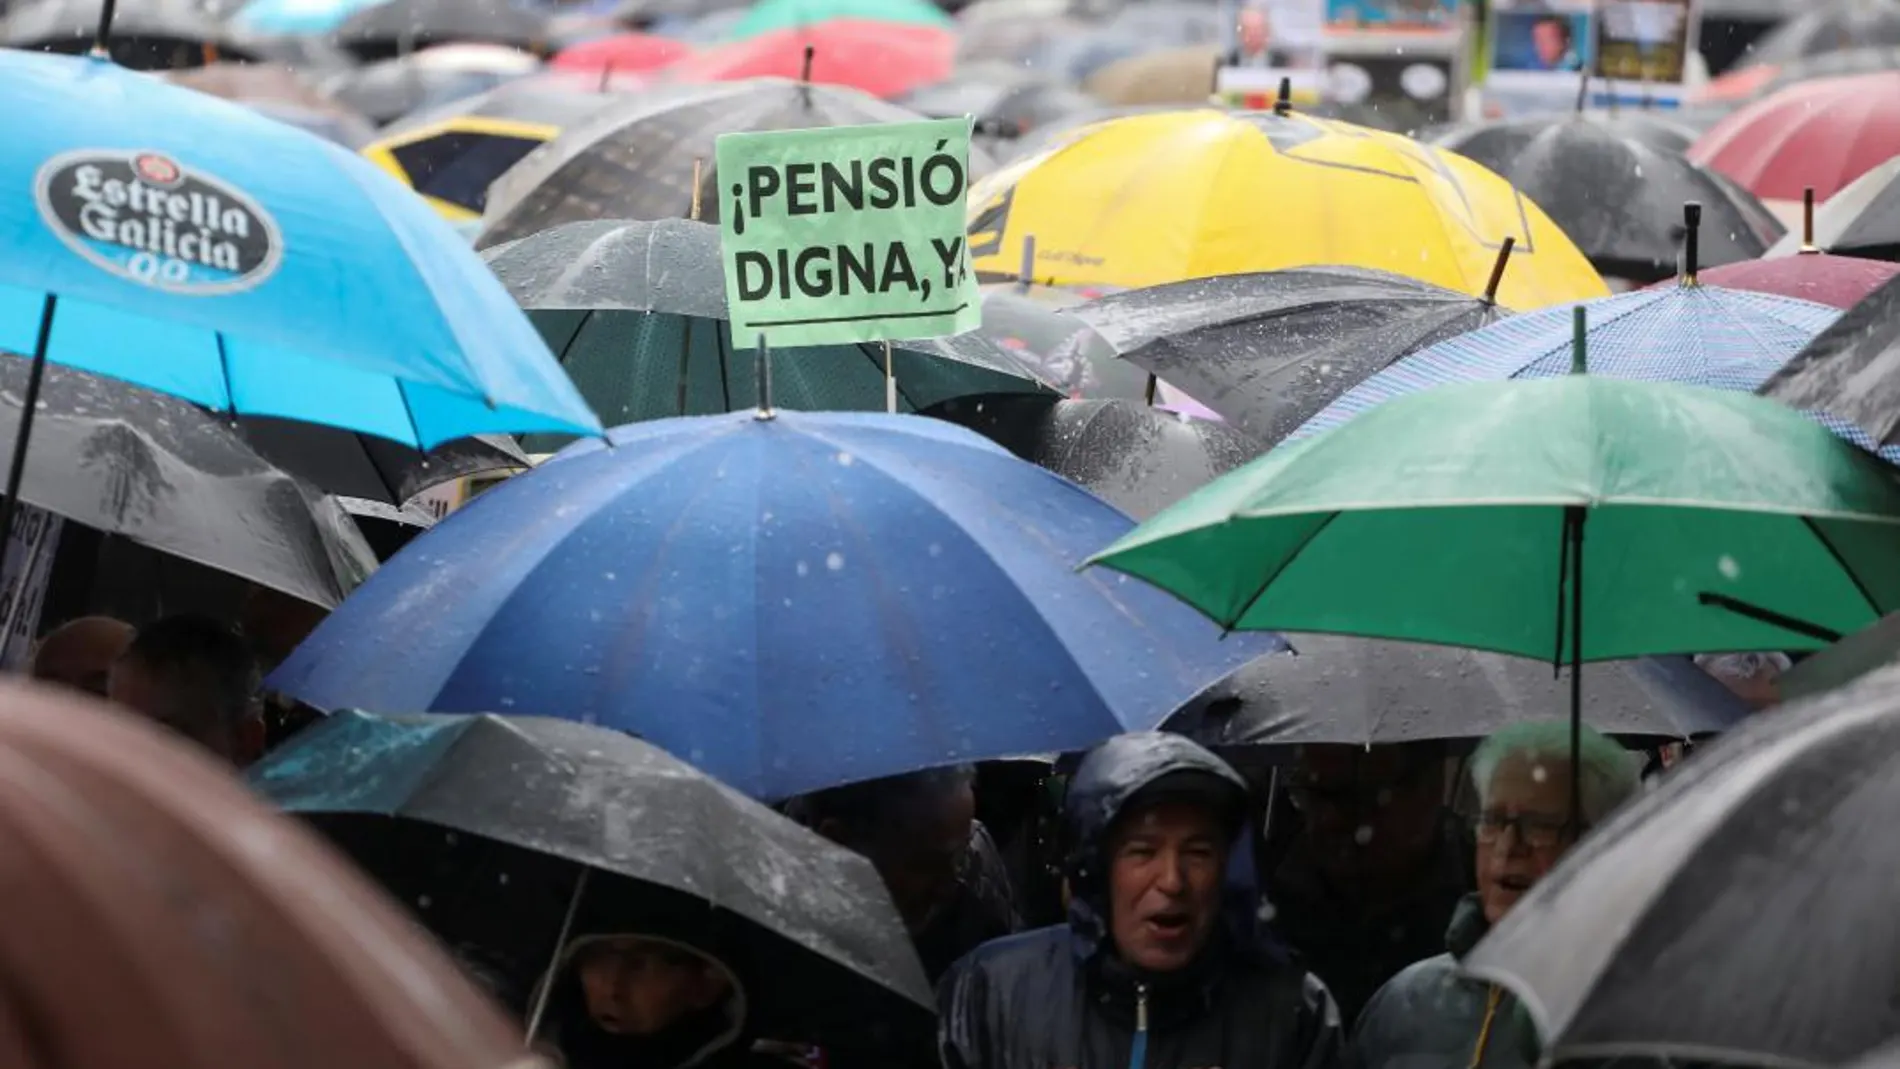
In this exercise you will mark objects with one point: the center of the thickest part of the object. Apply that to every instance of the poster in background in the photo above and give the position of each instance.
(1634, 53)
(847, 234)
(29, 565)
(1395, 16)
(1267, 40)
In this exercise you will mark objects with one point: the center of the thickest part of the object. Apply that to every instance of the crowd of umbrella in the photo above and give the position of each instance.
(1344, 424)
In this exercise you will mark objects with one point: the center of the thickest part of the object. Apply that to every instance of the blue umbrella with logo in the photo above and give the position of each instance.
(192, 246)
(788, 602)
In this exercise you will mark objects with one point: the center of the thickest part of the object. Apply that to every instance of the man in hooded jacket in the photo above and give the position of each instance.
(1151, 972)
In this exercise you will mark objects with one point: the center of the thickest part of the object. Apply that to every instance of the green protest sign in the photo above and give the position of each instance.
(847, 234)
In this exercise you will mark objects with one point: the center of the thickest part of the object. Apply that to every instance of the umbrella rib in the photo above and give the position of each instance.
(1852, 576)
(1312, 536)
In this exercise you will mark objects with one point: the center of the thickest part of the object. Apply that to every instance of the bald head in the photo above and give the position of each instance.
(79, 653)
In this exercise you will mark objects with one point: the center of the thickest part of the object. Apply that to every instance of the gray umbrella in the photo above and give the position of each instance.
(147, 35)
(1367, 692)
(1619, 198)
(665, 848)
(1269, 350)
(1861, 220)
(376, 469)
(636, 312)
(1741, 913)
(1851, 370)
(1136, 458)
(634, 160)
(167, 474)
(1503, 139)
(395, 27)
(1829, 26)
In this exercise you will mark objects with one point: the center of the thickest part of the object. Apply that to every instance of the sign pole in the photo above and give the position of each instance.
(686, 331)
(765, 380)
(890, 380)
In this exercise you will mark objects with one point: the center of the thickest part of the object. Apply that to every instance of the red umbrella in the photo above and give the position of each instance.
(1838, 281)
(1824, 133)
(621, 53)
(881, 58)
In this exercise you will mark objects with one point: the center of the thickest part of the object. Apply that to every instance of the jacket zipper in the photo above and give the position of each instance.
(1138, 1053)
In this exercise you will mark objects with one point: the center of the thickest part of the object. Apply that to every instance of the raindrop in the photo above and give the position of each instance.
(846, 460)
(423, 902)
(1728, 567)
(501, 878)
(834, 561)
(803, 569)
(1362, 834)
(1539, 774)
(609, 576)
(936, 549)
(507, 702)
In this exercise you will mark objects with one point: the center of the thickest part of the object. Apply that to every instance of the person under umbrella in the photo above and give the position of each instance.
(195, 676)
(1157, 967)
(79, 653)
(1433, 1014)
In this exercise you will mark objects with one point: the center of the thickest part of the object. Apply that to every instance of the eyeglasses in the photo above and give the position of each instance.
(1535, 831)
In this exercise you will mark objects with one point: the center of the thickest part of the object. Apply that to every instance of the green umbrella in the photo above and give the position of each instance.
(1709, 520)
(769, 15)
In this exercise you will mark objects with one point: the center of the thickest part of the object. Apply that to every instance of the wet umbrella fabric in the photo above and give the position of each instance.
(809, 920)
(1620, 199)
(1062, 350)
(621, 53)
(1699, 335)
(635, 160)
(746, 593)
(1828, 27)
(1136, 458)
(1367, 692)
(1498, 142)
(396, 26)
(1269, 350)
(637, 311)
(1715, 521)
(884, 59)
(389, 89)
(374, 469)
(1851, 371)
(1861, 220)
(1821, 134)
(1768, 855)
(275, 321)
(167, 474)
(1836, 281)
(148, 35)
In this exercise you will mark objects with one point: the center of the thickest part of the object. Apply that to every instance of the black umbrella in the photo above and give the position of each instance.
(363, 466)
(636, 312)
(1370, 692)
(1503, 139)
(1741, 913)
(1136, 458)
(1062, 350)
(1830, 26)
(387, 528)
(147, 35)
(390, 89)
(167, 474)
(635, 160)
(1269, 350)
(394, 27)
(1619, 198)
(1861, 220)
(496, 829)
(1851, 370)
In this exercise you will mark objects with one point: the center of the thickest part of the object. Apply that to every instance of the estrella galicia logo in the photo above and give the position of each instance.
(145, 217)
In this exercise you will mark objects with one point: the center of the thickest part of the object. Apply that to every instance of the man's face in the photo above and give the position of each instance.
(1523, 831)
(172, 705)
(1255, 34)
(921, 858)
(1549, 40)
(80, 655)
(1164, 884)
(634, 987)
(1367, 813)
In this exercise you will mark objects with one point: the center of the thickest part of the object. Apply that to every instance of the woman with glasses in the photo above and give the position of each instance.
(1429, 1015)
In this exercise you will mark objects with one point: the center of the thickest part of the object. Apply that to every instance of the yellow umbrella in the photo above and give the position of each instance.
(1161, 197)
(450, 156)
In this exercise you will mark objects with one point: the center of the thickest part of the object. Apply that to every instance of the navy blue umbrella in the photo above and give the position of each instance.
(789, 603)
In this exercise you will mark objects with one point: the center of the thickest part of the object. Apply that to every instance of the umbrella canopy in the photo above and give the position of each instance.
(282, 94)
(1851, 371)
(771, 16)
(1830, 26)
(884, 59)
(621, 53)
(1269, 350)
(169, 475)
(1183, 75)
(1699, 335)
(149, 35)
(1861, 220)
(257, 301)
(370, 468)
(637, 311)
(1715, 521)
(1102, 212)
(1060, 349)
(1819, 134)
(1836, 281)
(635, 160)
(903, 594)
(272, 17)
(389, 89)
(1002, 98)
(120, 844)
(1136, 458)
(452, 154)
(1760, 79)
(807, 925)
(394, 27)
(1367, 692)
(1621, 200)
(1496, 143)
(1779, 831)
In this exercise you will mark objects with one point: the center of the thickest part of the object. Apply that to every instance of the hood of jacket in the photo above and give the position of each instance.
(568, 1026)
